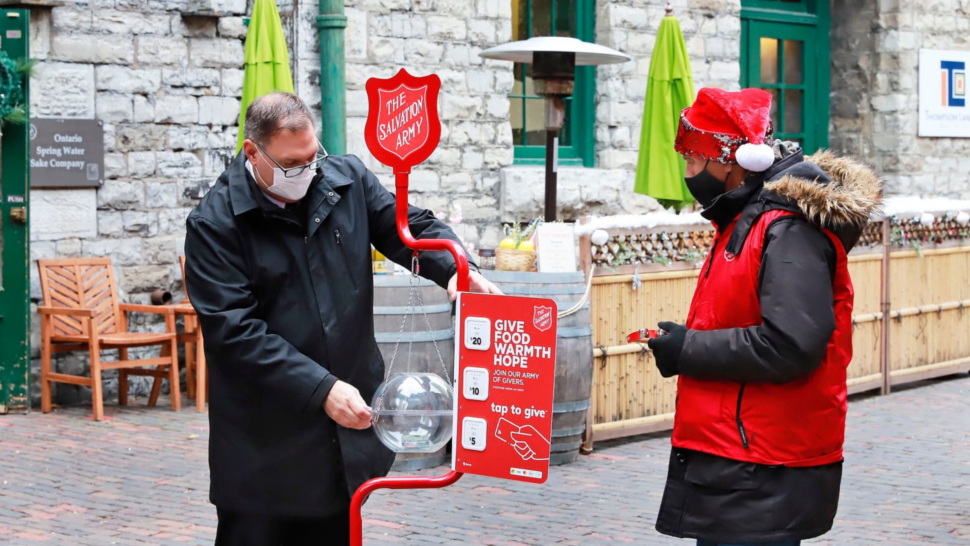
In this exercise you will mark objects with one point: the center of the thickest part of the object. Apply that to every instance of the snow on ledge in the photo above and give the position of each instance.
(650, 220)
(906, 207)
(902, 207)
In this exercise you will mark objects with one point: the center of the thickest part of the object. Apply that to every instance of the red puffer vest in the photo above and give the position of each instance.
(799, 423)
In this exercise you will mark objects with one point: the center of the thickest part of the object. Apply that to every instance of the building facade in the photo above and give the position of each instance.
(165, 78)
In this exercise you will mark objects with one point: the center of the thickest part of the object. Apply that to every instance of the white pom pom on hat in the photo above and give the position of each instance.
(755, 157)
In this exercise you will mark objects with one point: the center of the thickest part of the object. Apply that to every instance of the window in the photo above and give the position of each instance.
(788, 5)
(576, 140)
(785, 51)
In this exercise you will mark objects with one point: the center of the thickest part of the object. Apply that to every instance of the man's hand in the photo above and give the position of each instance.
(476, 283)
(667, 348)
(345, 406)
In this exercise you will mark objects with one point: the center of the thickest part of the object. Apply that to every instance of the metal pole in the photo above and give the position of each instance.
(401, 210)
(416, 482)
(333, 82)
(408, 482)
(552, 175)
(885, 367)
(555, 114)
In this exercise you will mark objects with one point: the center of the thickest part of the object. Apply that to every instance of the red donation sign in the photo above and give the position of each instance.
(505, 363)
(403, 127)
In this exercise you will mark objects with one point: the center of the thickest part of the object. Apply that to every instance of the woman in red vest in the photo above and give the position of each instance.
(761, 399)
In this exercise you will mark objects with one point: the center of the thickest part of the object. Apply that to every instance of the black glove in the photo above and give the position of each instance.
(667, 348)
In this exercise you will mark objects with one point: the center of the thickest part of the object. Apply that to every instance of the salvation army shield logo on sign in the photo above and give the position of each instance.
(402, 120)
(542, 318)
(403, 127)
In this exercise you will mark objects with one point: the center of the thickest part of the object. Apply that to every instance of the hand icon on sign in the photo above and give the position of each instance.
(526, 440)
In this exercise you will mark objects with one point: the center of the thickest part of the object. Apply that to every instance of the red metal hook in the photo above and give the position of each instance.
(401, 184)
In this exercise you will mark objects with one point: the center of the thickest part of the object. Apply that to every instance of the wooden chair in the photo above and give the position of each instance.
(80, 312)
(195, 364)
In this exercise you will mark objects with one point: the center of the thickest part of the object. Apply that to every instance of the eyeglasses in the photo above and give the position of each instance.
(293, 172)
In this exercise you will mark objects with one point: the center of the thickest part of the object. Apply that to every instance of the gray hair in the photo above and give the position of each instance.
(271, 114)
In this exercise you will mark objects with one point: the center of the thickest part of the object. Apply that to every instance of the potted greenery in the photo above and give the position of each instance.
(516, 252)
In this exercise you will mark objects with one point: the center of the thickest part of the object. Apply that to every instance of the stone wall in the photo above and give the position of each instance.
(855, 31)
(166, 86)
(875, 83)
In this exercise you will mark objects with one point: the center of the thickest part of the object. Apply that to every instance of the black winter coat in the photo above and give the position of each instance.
(721, 500)
(285, 301)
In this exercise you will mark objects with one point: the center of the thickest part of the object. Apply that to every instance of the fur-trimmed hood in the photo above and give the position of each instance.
(837, 193)
(851, 193)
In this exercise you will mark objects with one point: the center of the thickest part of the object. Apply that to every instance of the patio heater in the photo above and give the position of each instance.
(554, 60)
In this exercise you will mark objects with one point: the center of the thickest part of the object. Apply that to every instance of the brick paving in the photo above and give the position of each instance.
(141, 478)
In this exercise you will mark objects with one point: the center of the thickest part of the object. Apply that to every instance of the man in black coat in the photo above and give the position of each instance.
(279, 261)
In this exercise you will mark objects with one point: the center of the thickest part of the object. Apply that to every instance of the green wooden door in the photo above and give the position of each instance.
(779, 62)
(14, 256)
(785, 51)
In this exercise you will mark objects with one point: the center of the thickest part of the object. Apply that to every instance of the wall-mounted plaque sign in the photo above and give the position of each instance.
(66, 153)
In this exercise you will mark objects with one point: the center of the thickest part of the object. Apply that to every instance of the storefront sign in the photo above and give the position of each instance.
(402, 121)
(66, 153)
(943, 104)
(505, 364)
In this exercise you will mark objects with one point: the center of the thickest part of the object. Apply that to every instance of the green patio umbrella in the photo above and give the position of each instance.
(670, 89)
(267, 63)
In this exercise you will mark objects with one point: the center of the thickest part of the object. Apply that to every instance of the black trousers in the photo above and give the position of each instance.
(236, 529)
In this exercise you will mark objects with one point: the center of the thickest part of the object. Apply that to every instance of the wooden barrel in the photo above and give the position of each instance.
(391, 295)
(574, 352)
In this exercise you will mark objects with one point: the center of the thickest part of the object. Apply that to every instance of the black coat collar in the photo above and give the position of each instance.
(727, 206)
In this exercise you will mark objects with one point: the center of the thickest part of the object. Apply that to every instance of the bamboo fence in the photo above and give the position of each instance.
(913, 295)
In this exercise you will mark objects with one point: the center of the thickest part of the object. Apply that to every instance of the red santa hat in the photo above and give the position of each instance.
(728, 128)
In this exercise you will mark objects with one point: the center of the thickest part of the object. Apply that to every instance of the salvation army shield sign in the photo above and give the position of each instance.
(542, 318)
(403, 127)
(402, 120)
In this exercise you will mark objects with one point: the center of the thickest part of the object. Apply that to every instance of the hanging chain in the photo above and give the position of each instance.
(415, 270)
(434, 340)
(414, 292)
(400, 333)
(414, 295)
(408, 311)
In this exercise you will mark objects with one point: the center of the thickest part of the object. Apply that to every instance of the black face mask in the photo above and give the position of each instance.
(705, 187)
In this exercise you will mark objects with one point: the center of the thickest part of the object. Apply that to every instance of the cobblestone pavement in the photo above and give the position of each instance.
(141, 478)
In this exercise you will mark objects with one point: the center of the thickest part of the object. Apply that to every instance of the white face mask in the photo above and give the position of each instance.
(291, 189)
